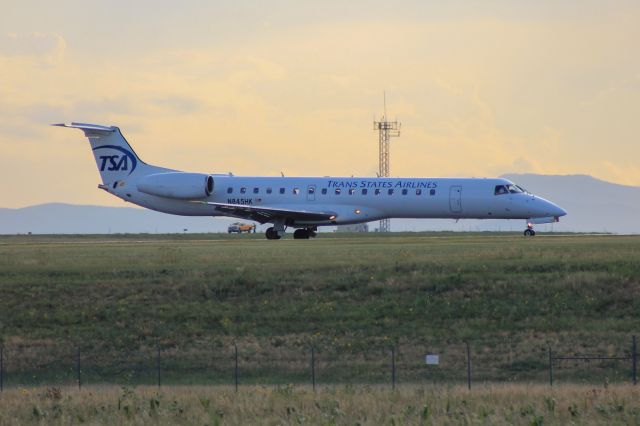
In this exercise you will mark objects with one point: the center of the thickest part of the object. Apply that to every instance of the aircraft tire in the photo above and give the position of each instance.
(272, 234)
(529, 232)
(301, 234)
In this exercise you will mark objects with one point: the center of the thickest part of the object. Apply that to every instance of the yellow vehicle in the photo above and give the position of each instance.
(239, 228)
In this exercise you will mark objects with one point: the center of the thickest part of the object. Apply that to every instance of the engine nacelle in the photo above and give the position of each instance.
(179, 185)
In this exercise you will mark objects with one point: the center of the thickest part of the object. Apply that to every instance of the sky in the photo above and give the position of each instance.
(263, 87)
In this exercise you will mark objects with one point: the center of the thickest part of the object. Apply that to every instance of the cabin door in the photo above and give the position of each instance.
(455, 199)
(311, 193)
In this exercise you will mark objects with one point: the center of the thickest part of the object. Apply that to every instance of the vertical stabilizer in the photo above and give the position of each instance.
(115, 158)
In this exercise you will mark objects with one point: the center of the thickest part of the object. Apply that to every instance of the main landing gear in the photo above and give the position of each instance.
(298, 234)
(276, 231)
(272, 234)
(304, 234)
(529, 232)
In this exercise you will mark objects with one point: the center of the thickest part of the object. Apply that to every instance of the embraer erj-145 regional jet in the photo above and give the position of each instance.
(305, 203)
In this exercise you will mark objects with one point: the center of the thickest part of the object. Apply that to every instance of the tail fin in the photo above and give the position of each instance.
(115, 158)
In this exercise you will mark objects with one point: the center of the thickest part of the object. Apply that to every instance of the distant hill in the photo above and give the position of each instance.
(78, 219)
(593, 206)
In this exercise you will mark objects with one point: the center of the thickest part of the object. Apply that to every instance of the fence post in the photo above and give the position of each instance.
(550, 366)
(1, 367)
(313, 368)
(468, 366)
(393, 367)
(235, 370)
(158, 365)
(78, 373)
(634, 361)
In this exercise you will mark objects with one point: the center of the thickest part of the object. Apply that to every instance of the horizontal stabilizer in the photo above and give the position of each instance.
(88, 128)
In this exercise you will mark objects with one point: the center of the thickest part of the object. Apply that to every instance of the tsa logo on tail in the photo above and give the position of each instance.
(115, 163)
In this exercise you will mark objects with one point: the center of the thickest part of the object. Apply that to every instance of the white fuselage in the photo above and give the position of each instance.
(362, 199)
(304, 202)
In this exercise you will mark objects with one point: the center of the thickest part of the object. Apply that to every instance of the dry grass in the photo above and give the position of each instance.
(365, 405)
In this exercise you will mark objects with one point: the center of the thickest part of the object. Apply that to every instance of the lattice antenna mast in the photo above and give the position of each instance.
(386, 130)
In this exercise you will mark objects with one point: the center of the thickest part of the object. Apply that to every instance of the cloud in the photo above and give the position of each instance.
(475, 96)
(48, 49)
(180, 104)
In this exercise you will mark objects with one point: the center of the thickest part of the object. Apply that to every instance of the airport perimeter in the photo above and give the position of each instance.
(466, 364)
(341, 309)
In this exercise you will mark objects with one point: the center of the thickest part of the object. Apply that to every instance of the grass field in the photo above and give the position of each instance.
(368, 405)
(353, 297)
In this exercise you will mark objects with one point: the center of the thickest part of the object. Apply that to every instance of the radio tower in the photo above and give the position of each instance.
(386, 131)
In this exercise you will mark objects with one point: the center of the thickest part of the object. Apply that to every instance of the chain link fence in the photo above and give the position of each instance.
(470, 363)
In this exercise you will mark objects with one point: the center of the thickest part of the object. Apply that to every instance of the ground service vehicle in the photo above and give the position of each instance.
(239, 228)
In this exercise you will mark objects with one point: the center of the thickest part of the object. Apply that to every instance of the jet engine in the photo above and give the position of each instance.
(179, 185)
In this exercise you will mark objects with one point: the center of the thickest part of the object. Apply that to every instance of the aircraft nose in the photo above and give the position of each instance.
(553, 209)
(560, 211)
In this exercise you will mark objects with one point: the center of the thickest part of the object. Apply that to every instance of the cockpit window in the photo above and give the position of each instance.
(514, 189)
(501, 189)
(509, 189)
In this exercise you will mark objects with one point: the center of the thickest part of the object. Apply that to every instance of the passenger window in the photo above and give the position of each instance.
(390, 191)
(282, 190)
(404, 191)
(364, 191)
(500, 189)
(432, 192)
(352, 191)
(378, 191)
(296, 191)
(269, 190)
(229, 190)
(312, 190)
(324, 191)
(338, 191)
(243, 190)
(418, 191)
(256, 190)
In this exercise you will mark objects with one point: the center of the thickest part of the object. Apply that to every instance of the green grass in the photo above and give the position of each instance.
(351, 296)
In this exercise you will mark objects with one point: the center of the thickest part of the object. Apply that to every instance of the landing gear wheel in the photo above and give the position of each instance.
(301, 234)
(272, 234)
(529, 232)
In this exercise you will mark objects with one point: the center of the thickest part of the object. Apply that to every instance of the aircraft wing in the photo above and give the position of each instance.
(268, 214)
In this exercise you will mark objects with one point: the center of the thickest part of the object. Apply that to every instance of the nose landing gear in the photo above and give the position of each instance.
(529, 232)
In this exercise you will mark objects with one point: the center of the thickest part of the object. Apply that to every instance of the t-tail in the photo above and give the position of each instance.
(126, 176)
(115, 158)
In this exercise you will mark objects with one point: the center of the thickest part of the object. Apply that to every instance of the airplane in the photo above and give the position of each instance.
(305, 203)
